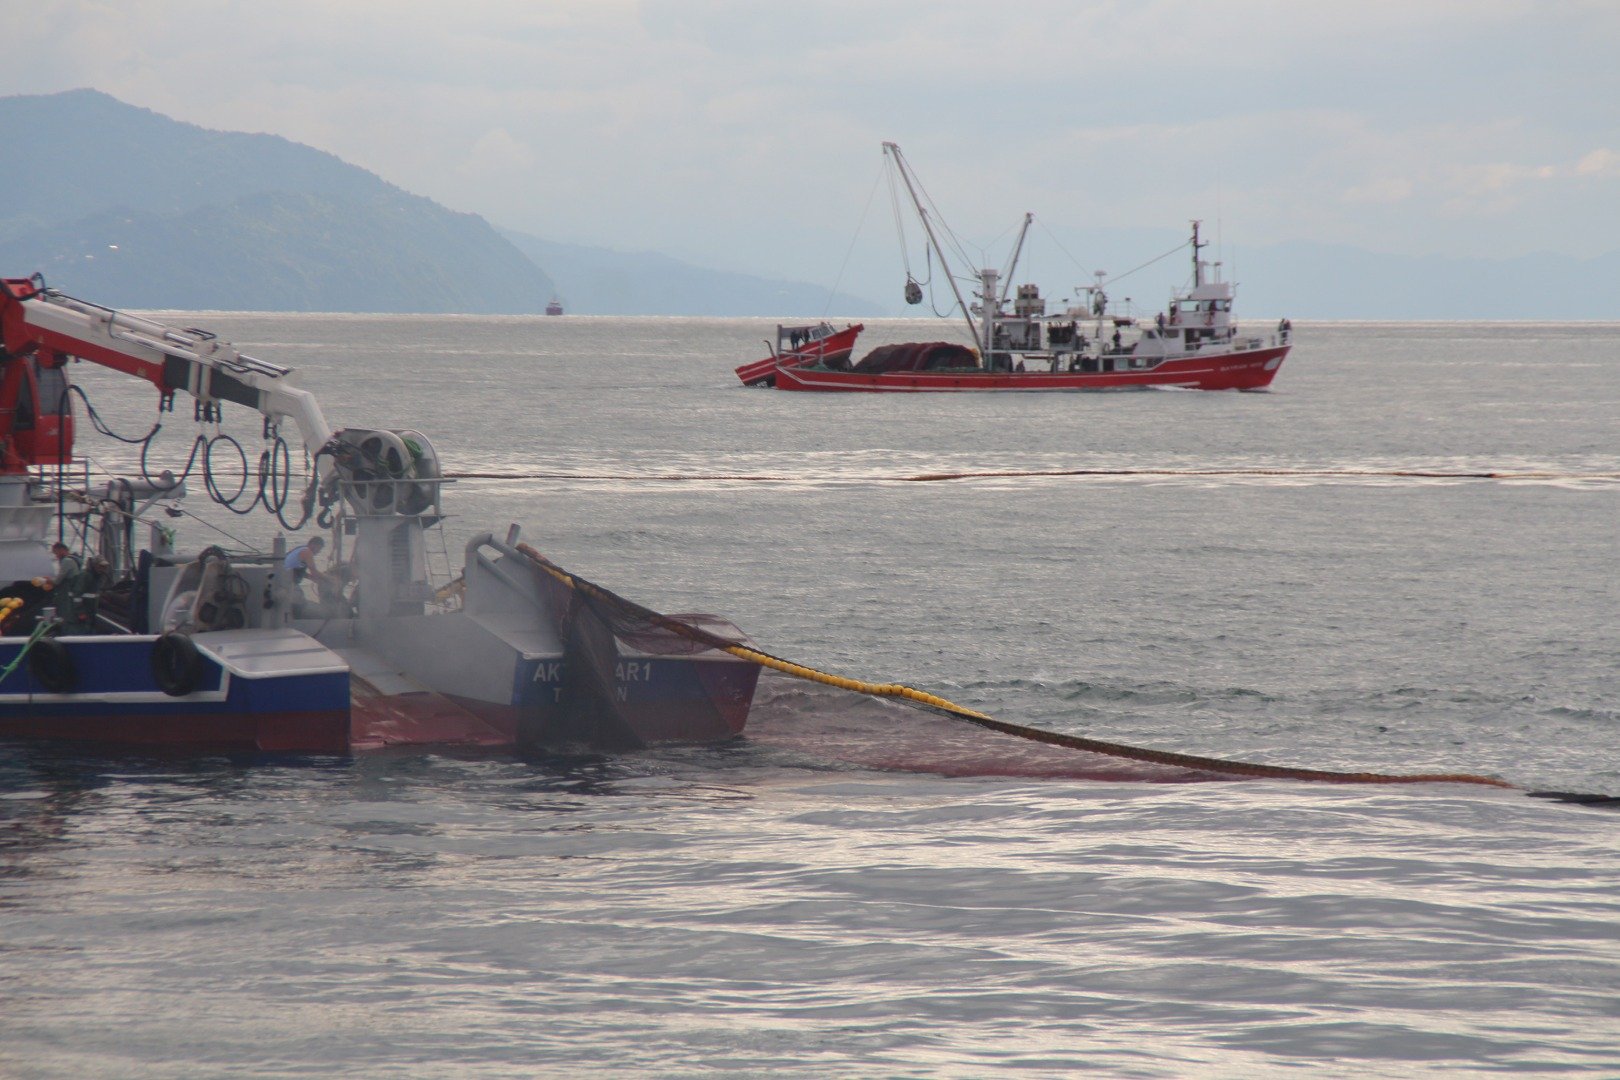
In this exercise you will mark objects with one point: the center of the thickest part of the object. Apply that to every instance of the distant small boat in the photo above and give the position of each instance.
(799, 345)
(555, 307)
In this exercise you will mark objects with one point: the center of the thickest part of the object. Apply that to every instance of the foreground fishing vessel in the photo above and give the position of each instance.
(120, 643)
(1193, 344)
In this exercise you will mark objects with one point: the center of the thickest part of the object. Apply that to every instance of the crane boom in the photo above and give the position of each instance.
(35, 319)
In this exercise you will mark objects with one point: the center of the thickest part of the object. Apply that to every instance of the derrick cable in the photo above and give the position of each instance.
(932, 303)
(1008, 267)
(843, 266)
(899, 220)
(1144, 266)
(245, 546)
(1050, 235)
(940, 223)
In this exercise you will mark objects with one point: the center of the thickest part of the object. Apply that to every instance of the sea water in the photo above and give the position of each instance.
(1403, 558)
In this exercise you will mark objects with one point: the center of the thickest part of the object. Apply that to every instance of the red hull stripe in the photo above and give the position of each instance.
(1252, 370)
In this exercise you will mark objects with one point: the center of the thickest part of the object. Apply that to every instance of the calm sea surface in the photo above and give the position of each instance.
(860, 890)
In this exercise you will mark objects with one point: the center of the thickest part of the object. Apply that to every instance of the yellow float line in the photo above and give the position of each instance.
(1073, 742)
(876, 689)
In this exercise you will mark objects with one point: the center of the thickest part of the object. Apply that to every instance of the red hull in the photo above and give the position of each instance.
(421, 719)
(833, 349)
(1249, 370)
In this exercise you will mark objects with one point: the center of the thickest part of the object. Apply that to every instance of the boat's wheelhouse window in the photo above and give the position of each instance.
(24, 410)
(53, 387)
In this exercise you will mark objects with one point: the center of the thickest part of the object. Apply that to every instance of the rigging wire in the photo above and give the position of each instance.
(245, 545)
(1052, 236)
(1144, 266)
(940, 224)
(871, 196)
(932, 303)
(899, 219)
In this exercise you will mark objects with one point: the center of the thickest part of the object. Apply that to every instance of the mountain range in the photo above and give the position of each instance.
(134, 209)
(139, 210)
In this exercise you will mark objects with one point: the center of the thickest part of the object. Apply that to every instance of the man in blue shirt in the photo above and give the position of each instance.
(300, 561)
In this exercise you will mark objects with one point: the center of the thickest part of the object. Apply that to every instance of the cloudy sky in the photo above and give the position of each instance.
(746, 135)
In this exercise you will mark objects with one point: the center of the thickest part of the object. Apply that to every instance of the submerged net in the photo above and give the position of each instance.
(597, 615)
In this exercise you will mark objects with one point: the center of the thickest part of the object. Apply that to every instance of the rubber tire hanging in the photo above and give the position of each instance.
(51, 665)
(177, 666)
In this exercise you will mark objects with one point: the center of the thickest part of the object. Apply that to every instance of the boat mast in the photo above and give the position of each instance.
(1018, 248)
(893, 150)
(994, 298)
(1198, 267)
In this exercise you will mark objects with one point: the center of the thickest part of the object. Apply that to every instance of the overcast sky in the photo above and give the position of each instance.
(746, 135)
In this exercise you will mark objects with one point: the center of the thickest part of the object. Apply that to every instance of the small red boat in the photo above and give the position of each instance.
(796, 345)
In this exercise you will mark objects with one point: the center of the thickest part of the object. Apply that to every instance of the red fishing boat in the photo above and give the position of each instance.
(798, 345)
(1193, 343)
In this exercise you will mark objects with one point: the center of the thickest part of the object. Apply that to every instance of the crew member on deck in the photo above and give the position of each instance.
(301, 561)
(62, 586)
(68, 566)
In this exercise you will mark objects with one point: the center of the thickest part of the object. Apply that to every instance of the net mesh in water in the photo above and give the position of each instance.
(597, 616)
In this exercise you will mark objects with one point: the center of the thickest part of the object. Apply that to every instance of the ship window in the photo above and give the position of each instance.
(53, 386)
(25, 404)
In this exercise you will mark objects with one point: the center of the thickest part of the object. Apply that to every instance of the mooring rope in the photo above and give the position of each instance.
(40, 631)
(945, 707)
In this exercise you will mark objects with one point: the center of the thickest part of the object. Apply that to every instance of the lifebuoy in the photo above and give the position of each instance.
(176, 664)
(52, 666)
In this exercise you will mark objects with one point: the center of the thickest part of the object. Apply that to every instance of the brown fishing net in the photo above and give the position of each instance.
(596, 619)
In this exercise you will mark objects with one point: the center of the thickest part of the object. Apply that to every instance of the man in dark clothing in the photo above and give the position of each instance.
(65, 585)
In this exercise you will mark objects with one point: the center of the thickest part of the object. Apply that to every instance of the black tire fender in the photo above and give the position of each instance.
(176, 664)
(51, 665)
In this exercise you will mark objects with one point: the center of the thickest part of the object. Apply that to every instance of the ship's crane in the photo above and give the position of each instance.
(390, 479)
(47, 327)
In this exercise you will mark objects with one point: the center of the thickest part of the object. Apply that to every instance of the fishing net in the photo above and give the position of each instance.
(597, 618)
(918, 356)
(593, 624)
